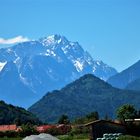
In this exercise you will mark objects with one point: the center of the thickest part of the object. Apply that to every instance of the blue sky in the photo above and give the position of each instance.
(108, 29)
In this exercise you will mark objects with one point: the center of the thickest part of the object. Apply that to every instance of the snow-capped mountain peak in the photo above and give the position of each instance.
(46, 64)
(53, 40)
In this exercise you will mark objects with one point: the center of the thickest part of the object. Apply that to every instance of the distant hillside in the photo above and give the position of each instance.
(81, 97)
(134, 85)
(10, 114)
(122, 79)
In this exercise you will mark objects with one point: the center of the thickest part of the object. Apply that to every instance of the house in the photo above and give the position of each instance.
(100, 127)
(135, 121)
(133, 126)
(12, 127)
(44, 128)
(63, 128)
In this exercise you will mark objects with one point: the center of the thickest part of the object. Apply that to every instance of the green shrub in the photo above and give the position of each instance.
(78, 130)
(53, 131)
(27, 129)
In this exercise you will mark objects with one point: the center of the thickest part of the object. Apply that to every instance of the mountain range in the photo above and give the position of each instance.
(128, 78)
(79, 98)
(30, 69)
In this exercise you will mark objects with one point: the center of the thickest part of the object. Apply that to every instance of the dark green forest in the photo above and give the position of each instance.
(10, 114)
(81, 97)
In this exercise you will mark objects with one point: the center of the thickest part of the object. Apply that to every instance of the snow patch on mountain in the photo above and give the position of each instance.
(78, 65)
(53, 39)
(51, 53)
(2, 64)
(23, 79)
(16, 60)
(65, 49)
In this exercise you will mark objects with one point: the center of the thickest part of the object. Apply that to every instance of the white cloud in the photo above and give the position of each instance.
(14, 40)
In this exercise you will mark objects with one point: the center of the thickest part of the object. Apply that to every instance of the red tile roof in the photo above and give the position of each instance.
(12, 127)
(104, 121)
(44, 128)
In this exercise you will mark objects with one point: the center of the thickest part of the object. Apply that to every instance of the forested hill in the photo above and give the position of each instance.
(81, 97)
(10, 114)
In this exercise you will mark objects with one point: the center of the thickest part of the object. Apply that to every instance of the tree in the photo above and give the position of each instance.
(107, 118)
(64, 120)
(126, 111)
(28, 129)
(93, 116)
(138, 114)
(88, 118)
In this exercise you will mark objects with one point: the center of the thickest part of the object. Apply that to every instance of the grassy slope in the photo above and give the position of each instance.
(127, 137)
(10, 138)
(75, 137)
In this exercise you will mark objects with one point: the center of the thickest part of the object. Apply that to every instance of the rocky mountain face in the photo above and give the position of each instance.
(79, 98)
(134, 85)
(28, 70)
(122, 79)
